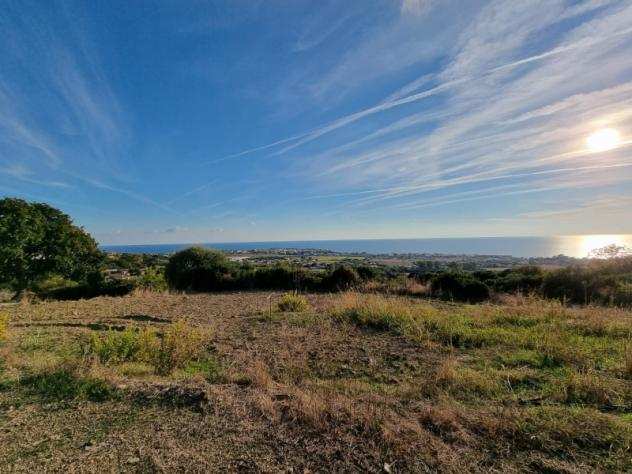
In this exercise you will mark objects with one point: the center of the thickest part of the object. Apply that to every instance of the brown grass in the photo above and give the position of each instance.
(357, 382)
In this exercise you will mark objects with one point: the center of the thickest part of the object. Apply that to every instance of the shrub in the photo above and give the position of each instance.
(459, 287)
(527, 279)
(198, 269)
(277, 277)
(368, 273)
(567, 284)
(75, 291)
(623, 295)
(152, 279)
(343, 278)
(293, 302)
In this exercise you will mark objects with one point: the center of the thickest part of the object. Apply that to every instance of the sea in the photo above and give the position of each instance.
(578, 246)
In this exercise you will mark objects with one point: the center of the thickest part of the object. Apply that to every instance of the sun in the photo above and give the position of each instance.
(603, 140)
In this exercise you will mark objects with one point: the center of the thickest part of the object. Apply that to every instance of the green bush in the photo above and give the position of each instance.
(198, 269)
(85, 291)
(623, 295)
(459, 287)
(293, 302)
(152, 279)
(342, 278)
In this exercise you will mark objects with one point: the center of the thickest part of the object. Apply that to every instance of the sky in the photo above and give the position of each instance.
(179, 121)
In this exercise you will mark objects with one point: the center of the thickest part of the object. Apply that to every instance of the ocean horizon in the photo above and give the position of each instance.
(578, 246)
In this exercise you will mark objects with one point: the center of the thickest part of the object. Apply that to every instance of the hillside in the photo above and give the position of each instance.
(159, 382)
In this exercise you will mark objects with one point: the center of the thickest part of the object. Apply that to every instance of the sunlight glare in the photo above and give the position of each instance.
(588, 243)
(603, 140)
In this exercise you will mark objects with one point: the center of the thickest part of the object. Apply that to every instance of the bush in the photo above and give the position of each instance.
(293, 302)
(568, 284)
(368, 273)
(198, 269)
(84, 291)
(342, 278)
(279, 277)
(459, 287)
(623, 295)
(153, 280)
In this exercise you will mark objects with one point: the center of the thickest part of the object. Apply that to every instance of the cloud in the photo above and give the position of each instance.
(416, 7)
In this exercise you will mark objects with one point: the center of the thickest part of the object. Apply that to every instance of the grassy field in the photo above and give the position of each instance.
(351, 382)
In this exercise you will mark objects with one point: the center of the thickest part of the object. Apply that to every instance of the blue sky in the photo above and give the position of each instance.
(202, 121)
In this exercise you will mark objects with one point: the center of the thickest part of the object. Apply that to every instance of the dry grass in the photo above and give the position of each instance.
(4, 326)
(293, 302)
(418, 386)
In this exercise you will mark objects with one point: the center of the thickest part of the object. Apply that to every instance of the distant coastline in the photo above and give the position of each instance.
(521, 247)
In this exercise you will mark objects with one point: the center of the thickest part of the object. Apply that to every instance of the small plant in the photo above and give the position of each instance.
(180, 344)
(63, 383)
(4, 326)
(627, 363)
(152, 280)
(209, 368)
(293, 302)
(115, 346)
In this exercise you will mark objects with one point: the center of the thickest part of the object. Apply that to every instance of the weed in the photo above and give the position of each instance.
(114, 346)
(209, 368)
(64, 384)
(180, 344)
(293, 302)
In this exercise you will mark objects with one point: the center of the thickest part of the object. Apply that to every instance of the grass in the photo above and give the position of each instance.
(292, 302)
(4, 327)
(351, 383)
(179, 345)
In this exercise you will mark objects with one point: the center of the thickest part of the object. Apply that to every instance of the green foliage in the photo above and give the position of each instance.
(342, 278)
(293, 302)
(179, 345)
(122, 346)
(37, 240)
(64, 384)
(459, 287)
(82, 291)
(198, 269)
(208, 367)
(152, 279)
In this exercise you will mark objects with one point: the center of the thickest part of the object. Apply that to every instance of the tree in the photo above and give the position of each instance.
(37, 241)
(197, 269)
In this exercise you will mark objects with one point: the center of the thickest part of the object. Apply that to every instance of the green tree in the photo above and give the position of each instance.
(37, 241)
